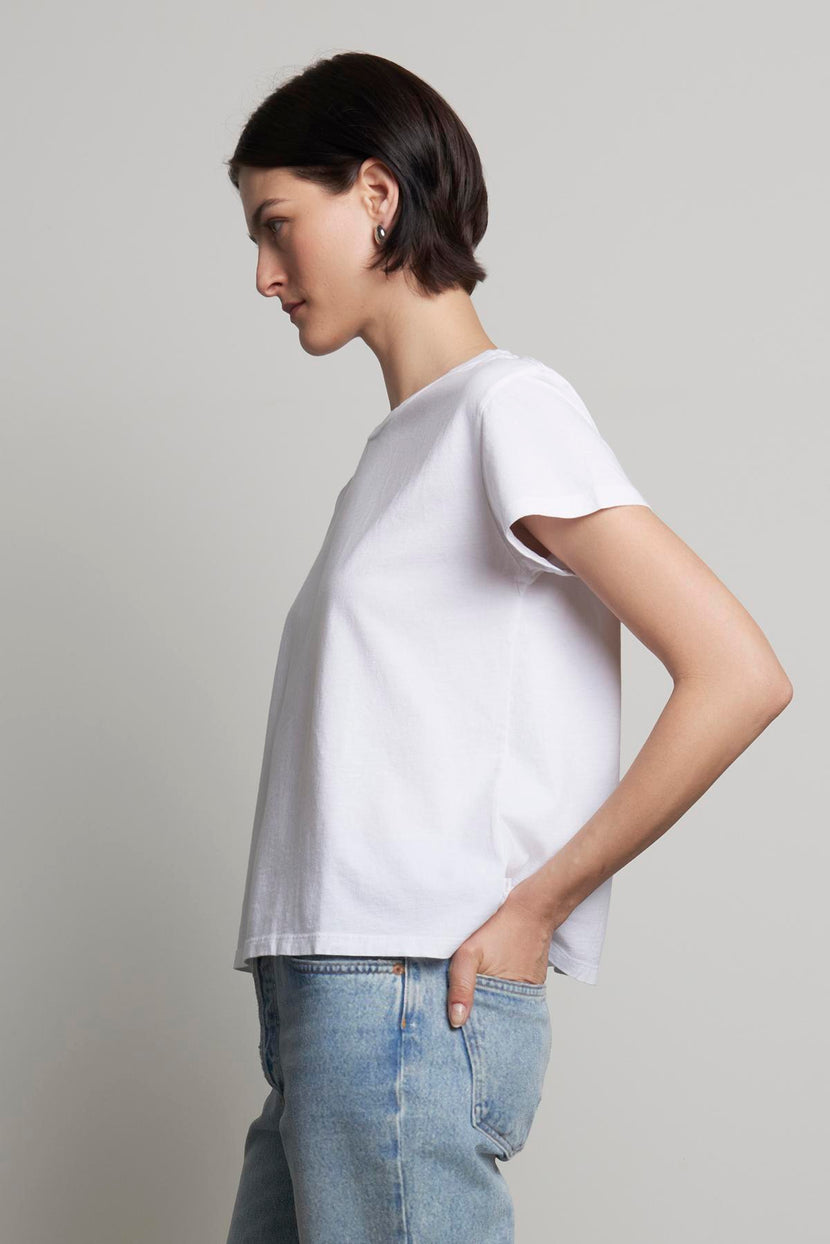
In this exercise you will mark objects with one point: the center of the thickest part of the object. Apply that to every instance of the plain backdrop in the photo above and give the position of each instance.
(170, 457)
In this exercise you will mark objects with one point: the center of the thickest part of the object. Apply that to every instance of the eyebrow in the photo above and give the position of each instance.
(263, 205)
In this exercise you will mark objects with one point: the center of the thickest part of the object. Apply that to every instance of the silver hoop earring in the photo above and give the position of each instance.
(380, 233)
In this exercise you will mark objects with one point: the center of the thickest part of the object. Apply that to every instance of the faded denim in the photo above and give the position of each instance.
(383, 1122)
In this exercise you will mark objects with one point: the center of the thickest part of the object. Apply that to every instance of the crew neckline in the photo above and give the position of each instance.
(396, 410)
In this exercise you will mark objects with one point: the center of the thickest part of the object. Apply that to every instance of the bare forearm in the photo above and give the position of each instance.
(704, 727)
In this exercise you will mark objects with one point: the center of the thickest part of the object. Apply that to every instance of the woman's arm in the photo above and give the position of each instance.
(728, 687)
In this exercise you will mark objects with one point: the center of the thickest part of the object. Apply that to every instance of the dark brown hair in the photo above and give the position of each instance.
(323, 123)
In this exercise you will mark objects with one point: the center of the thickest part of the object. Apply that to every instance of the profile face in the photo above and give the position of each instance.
(314, 247)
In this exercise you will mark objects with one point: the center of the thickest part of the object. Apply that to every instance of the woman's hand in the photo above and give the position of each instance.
(513, 943)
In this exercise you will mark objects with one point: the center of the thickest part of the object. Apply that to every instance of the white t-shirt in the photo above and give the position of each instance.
(446, 703)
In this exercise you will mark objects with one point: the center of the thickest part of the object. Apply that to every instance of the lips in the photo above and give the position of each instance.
(289, 306)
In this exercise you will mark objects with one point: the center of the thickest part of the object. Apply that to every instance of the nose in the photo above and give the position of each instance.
(269, 276)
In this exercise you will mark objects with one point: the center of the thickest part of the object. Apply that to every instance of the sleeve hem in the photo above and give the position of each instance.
(574, 506)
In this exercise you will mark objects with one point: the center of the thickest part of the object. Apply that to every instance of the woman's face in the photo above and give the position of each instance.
(314, 247)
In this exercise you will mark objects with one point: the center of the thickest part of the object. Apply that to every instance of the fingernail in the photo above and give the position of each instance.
(458, 1010)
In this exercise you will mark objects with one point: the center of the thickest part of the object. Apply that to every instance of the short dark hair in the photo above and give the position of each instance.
(324, 122)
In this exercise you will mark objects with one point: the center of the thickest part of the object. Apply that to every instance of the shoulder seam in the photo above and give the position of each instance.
(530, 365)
(484, 402)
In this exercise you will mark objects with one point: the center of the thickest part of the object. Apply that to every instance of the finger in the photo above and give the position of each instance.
(462, 983)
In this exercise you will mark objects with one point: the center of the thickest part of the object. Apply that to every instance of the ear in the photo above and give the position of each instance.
(377, 189)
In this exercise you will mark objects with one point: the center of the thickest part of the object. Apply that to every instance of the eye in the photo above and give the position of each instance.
(273, 221)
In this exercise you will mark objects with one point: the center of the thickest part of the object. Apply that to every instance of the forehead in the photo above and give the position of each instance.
(256, 184)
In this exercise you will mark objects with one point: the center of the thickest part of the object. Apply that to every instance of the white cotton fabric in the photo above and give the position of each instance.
(446, 702)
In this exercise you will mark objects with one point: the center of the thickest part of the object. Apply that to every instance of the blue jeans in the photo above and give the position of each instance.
(383, 1122)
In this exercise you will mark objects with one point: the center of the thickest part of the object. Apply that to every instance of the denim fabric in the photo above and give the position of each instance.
(383, 1122)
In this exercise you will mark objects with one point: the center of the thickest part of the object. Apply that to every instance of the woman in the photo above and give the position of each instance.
(440, 812)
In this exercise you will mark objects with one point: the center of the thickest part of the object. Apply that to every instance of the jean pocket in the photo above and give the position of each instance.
(265, 984)
(508, 1040)
(504, 982)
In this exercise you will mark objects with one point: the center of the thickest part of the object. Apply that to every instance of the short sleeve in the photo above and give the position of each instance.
(541, 453)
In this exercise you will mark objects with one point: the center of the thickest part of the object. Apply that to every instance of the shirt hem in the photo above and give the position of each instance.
(383, 944)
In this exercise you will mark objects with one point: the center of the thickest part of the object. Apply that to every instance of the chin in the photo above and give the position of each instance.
(317, 345)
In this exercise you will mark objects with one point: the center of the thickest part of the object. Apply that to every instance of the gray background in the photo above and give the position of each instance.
(170, 457)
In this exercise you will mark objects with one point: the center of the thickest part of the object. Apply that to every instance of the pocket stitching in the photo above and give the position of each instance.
(478, 1093)
(270, 1078)
(525, 989)
(480, 1101)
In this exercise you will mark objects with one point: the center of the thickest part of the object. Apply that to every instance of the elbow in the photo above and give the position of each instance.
(786, 691)
(774, 691)
(784, 694)
(763, 700)
(761, 688)
(764, 680)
